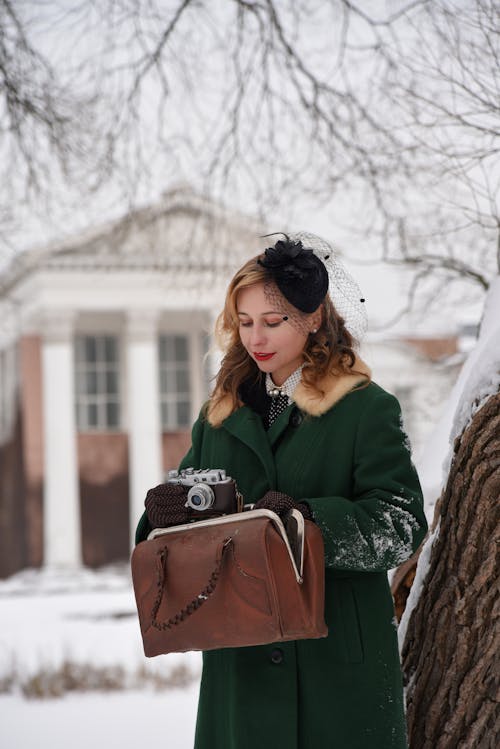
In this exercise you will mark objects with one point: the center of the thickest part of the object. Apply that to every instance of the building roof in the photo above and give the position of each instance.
(183, 230)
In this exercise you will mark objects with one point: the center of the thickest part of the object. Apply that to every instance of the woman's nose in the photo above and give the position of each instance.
(257, 335)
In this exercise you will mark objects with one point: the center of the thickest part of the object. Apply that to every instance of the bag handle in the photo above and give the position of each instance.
(198, 601)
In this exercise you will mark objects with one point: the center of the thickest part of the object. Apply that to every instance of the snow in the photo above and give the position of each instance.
(369, 543)
(478, 380)
(125, 720)
(87, 619)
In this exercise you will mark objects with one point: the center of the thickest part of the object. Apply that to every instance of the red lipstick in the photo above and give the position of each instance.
(262, 357)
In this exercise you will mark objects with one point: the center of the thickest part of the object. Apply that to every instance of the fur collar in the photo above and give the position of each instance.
(334, 387)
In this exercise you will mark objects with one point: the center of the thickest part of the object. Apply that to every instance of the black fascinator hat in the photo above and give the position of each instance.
(299, 275)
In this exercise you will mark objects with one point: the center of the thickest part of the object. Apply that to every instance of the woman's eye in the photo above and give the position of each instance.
(268, 324)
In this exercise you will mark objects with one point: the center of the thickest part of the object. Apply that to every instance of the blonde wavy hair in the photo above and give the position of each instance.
(329, 351)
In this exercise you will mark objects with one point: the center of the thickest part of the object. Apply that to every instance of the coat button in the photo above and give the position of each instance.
(277, 656)
(296, 418)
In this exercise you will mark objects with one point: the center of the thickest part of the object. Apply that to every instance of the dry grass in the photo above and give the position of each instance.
(85, 677)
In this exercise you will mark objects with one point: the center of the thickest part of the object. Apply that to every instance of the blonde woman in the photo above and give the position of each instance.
(296, 419)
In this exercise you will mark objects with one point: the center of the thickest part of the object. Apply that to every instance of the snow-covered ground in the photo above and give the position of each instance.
(87, 621)
(123, 720)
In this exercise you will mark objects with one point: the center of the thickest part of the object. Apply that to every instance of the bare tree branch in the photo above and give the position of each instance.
(394, 115)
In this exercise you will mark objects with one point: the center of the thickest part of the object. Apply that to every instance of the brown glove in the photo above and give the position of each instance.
(281, 504)
(165, 505)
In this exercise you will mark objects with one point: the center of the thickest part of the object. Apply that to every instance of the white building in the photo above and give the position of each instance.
(102, 372)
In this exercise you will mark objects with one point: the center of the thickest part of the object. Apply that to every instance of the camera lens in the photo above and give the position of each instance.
(200, 497)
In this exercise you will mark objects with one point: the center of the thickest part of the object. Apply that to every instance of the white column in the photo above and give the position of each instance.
(195, 371)
(144, 427)
(62, 531)
(215, 352)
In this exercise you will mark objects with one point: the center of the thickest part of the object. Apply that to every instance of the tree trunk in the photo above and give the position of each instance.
(452, 642)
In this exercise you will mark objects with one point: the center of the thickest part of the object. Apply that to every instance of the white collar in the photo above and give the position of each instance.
(288, 387)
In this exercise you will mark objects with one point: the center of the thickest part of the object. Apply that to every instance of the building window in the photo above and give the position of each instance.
(97, 383)
(175, 391)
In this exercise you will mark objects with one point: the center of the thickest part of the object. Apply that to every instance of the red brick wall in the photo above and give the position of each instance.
(174, 445)
(30, 367)
(21, 469)
(104, 497)
(434, 348)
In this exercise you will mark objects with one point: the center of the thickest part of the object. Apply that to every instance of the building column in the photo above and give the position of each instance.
(196, 366)
(215, 357)
(143, 399)
(62, 527)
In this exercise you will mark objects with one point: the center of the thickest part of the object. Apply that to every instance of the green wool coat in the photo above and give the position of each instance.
(348, 456)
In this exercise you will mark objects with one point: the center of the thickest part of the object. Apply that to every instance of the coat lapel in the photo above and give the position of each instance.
(278, 426)
(246, 426)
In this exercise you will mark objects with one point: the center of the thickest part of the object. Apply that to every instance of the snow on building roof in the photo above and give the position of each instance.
(183, 230)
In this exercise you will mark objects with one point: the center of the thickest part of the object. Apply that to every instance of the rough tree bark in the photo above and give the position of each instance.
(452, 642)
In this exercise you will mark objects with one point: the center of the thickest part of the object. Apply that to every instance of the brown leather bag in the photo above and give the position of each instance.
(230, 582)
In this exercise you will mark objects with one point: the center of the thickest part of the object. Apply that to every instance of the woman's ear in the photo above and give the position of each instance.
(316, 319)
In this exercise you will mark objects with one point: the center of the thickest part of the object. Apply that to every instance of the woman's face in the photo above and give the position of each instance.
(272, 342)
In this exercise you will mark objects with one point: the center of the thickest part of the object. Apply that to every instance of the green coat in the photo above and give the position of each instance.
(351, 462)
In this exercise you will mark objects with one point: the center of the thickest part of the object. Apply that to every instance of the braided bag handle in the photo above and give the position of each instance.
(198, 601)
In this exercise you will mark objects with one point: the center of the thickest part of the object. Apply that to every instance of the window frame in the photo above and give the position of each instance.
(170, 399)
(103, 397)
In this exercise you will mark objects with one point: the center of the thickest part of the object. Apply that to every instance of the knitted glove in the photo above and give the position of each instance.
(281, 504)
(165, 505)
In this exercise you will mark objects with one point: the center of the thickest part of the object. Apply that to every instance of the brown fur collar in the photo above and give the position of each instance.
(334, 387)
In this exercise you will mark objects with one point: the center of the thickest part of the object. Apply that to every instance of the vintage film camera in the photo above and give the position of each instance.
(210, 490)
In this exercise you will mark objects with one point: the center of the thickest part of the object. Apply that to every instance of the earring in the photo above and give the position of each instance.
(314, 330)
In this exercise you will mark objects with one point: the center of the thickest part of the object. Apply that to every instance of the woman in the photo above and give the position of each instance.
(297, 421)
